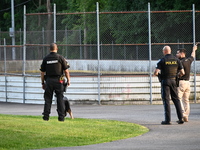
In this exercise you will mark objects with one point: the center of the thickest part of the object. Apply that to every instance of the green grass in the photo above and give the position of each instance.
(31, 132)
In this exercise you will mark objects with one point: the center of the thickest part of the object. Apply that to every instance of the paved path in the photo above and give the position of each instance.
(160, 137)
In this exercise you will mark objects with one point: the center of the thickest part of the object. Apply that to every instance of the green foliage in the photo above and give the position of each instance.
(31, 132)
(169, 24)
(125, 28)
(88, 6)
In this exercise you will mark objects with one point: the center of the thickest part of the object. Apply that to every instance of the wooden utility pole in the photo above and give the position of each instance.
(49, 22)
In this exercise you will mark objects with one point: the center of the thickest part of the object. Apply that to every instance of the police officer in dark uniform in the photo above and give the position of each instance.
(168, 67)
(52, 68)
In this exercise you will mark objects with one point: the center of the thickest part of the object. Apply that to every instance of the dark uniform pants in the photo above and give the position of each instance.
(53, 85)
(168, 89)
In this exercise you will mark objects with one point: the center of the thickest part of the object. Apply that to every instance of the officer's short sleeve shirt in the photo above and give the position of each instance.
(54, 64)
(186, 62)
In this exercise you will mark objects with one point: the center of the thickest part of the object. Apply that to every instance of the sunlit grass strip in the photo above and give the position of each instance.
(31, 132)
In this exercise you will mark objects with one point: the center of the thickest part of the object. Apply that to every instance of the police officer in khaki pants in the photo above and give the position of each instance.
(168, 67)
(184, 81)
(52, 68)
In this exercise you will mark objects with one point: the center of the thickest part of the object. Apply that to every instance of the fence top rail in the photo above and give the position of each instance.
(148, 44)
(167, 11)
(171, 11)
(11, 45)
(76, 13)
(109, 44)
(114, 12)
(46, 13)
(46, 45)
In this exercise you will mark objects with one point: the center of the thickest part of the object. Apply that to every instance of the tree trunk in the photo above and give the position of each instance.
(49, 23)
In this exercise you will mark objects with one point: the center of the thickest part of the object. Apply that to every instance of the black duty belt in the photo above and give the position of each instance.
(169, 78)
(53, 76)
(184, 79)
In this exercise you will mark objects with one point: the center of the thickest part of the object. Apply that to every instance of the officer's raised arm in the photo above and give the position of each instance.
(193, 54)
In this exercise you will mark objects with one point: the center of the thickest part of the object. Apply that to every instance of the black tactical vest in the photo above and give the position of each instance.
(170, 68)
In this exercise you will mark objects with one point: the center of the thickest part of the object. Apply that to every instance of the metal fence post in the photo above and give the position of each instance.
(24, 56)
(150, 65)
(54, 18)
(194, 42)
(80, 48)
(112, 51)
(21, 48)
(98, 53)
(43, 51)
(12, 30)
(5, 71)
(66, 54)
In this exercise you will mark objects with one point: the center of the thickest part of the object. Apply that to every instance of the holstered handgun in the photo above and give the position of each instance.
(45, 77)
(177, 80)
(65, 87)
(159, 77)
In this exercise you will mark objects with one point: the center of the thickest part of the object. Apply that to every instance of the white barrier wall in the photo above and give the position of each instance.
(84, 90)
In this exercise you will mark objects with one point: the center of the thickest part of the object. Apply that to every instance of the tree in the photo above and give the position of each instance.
(49, 22)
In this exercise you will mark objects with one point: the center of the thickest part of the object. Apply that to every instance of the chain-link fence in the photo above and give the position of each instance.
(130, 42)
(123, 35)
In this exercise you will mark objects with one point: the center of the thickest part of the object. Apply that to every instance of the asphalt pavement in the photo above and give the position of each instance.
(160, 137)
